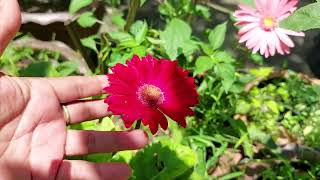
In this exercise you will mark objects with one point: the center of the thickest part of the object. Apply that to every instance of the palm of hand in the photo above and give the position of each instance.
(33, 134)
(36, 118)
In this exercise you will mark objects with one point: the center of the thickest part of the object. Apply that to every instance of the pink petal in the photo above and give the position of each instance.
(288, 7)
(271, 44)
(248, 19)
(293, 33)
(248, 27)
(261, 5)
(284, 37)
(266, 54)
(254, 41)
(247, 9)
(263, 45)
(248, 35)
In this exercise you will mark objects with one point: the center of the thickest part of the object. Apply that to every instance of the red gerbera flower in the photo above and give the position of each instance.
(147, 89)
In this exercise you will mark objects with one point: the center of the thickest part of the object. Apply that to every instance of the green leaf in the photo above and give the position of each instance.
(214, 159)
(76, 5)
(105, 125)
(176, 33)
(305, 18)
(206, 48)
(163, 160)
(39, 69)
(241, 128)
(203, 63)
(90, 42)
(67, 68)
(201, 157)
(248, 2)
(262, 72)
(233, 175)
(139, 29)
(166, 9)
(123, 156)
(189, 47)
(142, 2)
(124, 39)
(98, 157)
(223, 57)
(117, 19)
(227, 73)
(139, 50)
(118, 57)
(203, 11)
(217, 35)
(87, 19)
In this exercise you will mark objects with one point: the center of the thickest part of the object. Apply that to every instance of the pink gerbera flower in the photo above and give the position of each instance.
(260, 27)
(147, 89)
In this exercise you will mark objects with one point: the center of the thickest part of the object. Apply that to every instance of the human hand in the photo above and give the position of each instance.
(9, 21)
(34, 138)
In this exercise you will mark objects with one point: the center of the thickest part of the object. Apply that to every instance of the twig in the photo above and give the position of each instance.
(302, 152)
(219, 7)
(134, 5)
(66, 52)
(47, 18)
(77, 43)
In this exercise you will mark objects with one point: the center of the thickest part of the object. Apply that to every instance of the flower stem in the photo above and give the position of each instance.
(219, 8)
(138, 124)
(133, 7)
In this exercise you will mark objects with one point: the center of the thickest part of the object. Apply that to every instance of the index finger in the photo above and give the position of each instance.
(76, 87)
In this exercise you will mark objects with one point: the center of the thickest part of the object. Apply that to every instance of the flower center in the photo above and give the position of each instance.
(150, 95)
(269, 22)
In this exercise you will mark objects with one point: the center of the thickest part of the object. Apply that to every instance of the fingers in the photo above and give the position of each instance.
(87, 170)
(10, 19)
(86, 142)
(76, 87)
(87, 110)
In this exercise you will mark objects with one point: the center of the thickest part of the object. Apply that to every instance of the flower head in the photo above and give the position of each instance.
(147, 89)
(260, 27)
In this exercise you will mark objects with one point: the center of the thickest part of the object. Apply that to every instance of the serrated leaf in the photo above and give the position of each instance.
(76, 5)
(139, 50)
(203, 63)
(217, 35)
(206, 48)
(39, 69)
(305, 18)
(223, 57)
(176, 33)
(67, 68)
(139, 29)
(90, 43)
(227, 73)
(87, 19)
(163, 160)
(117, 19)
(123, 156)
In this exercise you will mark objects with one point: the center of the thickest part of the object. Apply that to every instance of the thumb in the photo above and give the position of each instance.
(10, 19)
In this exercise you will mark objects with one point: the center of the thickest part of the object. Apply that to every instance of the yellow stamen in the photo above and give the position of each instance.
(150, 95)
(268, 22)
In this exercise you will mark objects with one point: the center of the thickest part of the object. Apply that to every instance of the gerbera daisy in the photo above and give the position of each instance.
(260, 27)
(147, 89)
